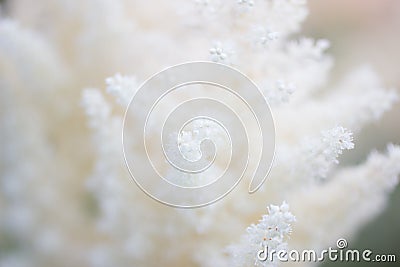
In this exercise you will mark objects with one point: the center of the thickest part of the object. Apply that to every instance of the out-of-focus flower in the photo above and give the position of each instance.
(64, 187)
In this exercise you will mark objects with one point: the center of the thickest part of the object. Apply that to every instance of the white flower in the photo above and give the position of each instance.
(279, 93)
(122, 87)
(97, 109)
(221, 53)
(189, 144)
(321, 154)
(360, 192)
(271, 231)
(268, 36)
(57, 174)
(335, 141)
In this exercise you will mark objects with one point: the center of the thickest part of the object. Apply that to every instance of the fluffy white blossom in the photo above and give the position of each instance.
(264, 36)
(319, 155)
(65, 189)
(271, 232)
(370, 181)
(222, 53)
(122, 88)
(278, 93)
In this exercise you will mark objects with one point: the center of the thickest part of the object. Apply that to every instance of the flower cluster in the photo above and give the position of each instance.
(271, 231)
(63, 179)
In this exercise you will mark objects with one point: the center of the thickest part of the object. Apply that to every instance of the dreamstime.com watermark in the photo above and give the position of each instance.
(340, 253)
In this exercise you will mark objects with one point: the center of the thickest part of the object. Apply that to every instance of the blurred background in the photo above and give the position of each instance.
(366, 31)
